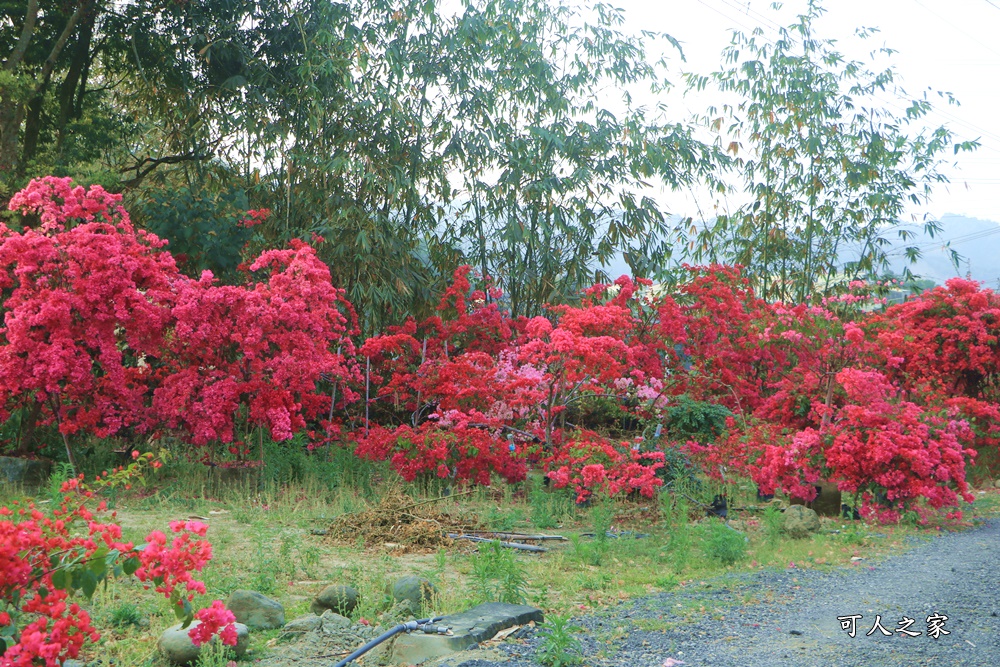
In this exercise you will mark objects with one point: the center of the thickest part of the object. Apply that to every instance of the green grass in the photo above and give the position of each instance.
(261, 531)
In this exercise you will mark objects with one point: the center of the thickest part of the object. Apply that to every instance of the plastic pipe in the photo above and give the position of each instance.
(409, 626)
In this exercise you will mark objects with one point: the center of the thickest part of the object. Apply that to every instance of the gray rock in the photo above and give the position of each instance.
(468, 629)
(399, 612)
(303, 624)
(341, 599)
(256, 611)
(177, 647)
(418, 590)
(331, 622)
(31, 472)
(800, 521)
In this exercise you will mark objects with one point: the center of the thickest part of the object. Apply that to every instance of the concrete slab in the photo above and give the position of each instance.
(468, 629)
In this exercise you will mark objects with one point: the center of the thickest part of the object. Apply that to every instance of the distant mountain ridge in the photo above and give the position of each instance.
(977, 241)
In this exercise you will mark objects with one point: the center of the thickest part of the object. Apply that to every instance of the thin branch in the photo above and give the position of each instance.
(22, 43)
(147, 165)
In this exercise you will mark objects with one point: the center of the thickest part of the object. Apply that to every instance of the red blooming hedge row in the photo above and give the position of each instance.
(102, 332)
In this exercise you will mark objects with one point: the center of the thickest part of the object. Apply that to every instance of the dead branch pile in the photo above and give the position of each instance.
(397, 520)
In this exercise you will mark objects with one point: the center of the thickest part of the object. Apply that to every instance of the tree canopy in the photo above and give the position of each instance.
(405, 138)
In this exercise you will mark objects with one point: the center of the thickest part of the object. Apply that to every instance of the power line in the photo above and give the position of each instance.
(969, 35)
(760, 22)
(992, 4)
(957, 240)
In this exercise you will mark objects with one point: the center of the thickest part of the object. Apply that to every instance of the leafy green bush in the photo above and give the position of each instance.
(559, 648)
(688, 419)
(724, 544)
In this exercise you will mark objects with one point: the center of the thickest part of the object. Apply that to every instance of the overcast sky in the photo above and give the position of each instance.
(948, 45)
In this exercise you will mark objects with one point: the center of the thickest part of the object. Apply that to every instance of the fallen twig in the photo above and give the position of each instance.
(509, 545)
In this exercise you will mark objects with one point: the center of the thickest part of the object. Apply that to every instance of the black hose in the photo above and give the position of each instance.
(409, 626)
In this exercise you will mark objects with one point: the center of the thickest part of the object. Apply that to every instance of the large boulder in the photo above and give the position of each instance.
(800, 521)
(177, 647)
(255, 610)
(341, 599)
(418, 591)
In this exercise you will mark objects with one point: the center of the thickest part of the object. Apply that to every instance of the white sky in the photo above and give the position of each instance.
(948, 45)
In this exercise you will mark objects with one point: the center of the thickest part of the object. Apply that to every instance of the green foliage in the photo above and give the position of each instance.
(124, 614)
(688, 419)
(558, 646)
(267, 567)
(60, 475)
(774, 523)
(674, 509)
(548, 510)
(724, 544)
(215, 654)
(829, 166)
(202, 224)
(497, 576)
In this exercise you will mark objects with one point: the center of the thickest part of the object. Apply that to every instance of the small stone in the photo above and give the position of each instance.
(800, 521)
(418, 590)
(997, 484)
(255, 610)
(341, 599)
(303, 624)
(331, 621)
(795, 632)
(177, 647)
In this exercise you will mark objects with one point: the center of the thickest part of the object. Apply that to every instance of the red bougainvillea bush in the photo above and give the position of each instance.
(48, 555)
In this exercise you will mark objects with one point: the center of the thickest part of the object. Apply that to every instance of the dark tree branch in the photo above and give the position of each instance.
(57, 48)
(147, 165)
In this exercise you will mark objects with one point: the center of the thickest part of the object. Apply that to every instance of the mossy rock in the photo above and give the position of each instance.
(418, 591)
(800, 521)
(339, 598)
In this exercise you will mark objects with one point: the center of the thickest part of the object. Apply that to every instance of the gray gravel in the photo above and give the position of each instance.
(954, 574)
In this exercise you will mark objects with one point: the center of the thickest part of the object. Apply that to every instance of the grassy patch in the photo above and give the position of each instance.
(263, 532)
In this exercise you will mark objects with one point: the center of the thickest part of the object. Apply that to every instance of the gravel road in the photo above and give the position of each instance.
(954, 574)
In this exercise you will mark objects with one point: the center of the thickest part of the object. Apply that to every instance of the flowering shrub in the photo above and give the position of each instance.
(45, 558)
(262, 348)
(589, 463)
(104, 332)
(86, 303)
(452, 450)
(875, 446)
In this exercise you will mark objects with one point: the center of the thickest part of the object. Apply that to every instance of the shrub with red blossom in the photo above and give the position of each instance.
(589, 463)
(46, 557)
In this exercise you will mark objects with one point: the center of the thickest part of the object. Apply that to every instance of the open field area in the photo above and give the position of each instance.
(283, 541)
